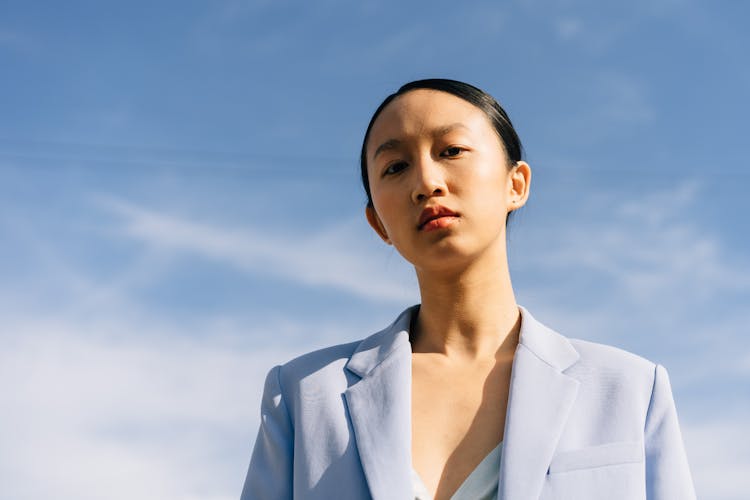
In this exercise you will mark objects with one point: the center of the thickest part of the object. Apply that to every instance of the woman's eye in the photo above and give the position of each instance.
(394, 168)
(452, 151)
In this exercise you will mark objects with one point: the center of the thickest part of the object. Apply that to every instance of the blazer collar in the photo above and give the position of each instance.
(540, 399)
(545, 343)
(379, 346)
(379, 407)
(539, 402)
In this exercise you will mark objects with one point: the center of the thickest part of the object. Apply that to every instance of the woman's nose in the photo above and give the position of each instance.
(429, 181)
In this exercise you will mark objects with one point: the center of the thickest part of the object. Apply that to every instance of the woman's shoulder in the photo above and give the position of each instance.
(592, 363)
(338, 363)
(612, 369)
(608, 357)
(318, 366)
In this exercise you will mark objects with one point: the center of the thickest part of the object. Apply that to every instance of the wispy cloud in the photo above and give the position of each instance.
(87, 417)
(334, 257)
(597, 28)
(720, 457)
(646, 246)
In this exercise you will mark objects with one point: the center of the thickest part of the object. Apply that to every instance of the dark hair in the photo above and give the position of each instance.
(469, 93)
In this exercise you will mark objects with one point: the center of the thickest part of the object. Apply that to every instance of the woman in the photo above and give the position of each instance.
(465, 395)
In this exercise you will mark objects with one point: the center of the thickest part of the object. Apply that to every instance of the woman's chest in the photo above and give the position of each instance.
(457, 419)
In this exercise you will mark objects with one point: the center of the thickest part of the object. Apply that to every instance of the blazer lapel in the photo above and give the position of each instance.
(379, 406)
(540, 399)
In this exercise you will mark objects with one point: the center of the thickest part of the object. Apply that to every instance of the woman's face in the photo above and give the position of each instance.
(439, 180)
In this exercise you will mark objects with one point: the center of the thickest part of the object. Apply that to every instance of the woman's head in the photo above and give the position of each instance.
(442, 170)
(496, 115)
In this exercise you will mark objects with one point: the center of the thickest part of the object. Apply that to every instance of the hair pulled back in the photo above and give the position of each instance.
(469, 93)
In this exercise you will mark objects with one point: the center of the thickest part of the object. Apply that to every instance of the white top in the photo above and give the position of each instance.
(481, 484)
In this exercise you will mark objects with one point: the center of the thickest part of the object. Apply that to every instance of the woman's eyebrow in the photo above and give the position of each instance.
(387, 145)
(449, 128)
(391, 144)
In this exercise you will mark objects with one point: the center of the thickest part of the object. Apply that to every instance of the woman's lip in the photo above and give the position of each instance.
(438, 223)
(432, 213)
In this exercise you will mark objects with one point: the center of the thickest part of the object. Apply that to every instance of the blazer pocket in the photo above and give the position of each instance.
(597, 456)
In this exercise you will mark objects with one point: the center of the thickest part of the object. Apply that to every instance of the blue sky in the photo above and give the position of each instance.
(180, 210)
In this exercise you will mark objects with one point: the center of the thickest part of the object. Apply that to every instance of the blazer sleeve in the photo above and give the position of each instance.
(667, 472)
(270, 473)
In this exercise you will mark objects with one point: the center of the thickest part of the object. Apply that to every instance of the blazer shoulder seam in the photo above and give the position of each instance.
(282, 395)
(651, 397)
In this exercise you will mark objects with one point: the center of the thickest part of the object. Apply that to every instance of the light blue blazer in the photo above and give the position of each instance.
(584, 421)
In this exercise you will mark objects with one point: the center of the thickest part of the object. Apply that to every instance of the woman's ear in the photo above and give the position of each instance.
(519, 183)
(376, 224)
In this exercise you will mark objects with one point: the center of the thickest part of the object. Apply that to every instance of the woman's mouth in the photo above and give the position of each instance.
(436, 217)
(439, 223)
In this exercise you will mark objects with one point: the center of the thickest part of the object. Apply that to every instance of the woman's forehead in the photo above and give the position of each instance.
(425, 105)
(426, 112)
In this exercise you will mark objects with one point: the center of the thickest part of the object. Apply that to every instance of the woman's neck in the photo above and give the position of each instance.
(468, 314)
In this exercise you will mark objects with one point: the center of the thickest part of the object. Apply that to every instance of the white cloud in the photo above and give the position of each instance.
(647, 247)
(333, 257)
(98, 414)
(719, 454)
(744, 367)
